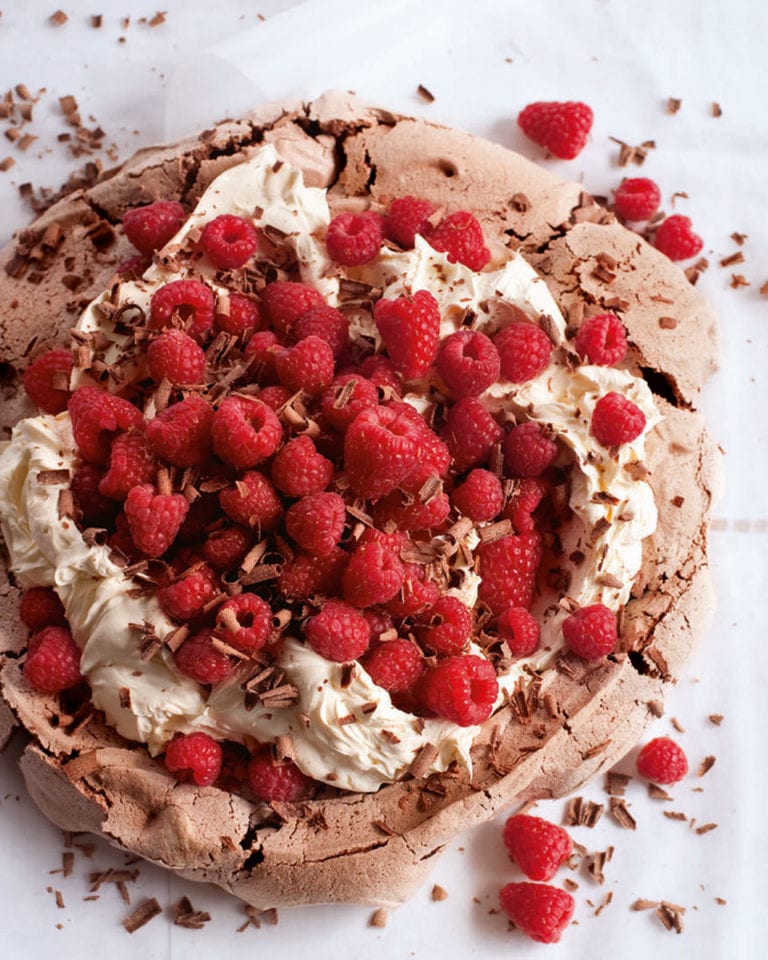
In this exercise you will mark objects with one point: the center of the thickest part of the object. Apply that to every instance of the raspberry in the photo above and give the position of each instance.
(637, 198)
(281, 782)
(591, 632)
(252, 502)
(416, 594)
(150, 227)
(353, 238)
(676, 239)
(316, 522)
(260, 353)
(446, 626)
(602, 340)
(299, 469)
(194, 758)
(616, 420)
(508, 570)
(410, 329)
(285, 301)
(468, 362)
(133, 267)
(245, 431)
(237, 315)
(374, 574)
(181, 434)
(53, 660)
(306, 576)
(338, 632)
(176, 357)
(419, 502)
(528, 450)
(406, 217)
(380, 449)
(433, 452)
(244, 622)
(41, 607)
(274, 397)
(97, 416)
(537, 846)
(341, 403)
(542, 912)
(121, 540)
(130, 463)
(662, 761)
(561, 128)
(182, 303)
(328, 324)
(184, 600)
(470, 432)
(396, 665)
(229, 241)
(529, 492)
(460, 237)
(41, 377)
(154, 518)
(199, 660)
(307, 366)
(524, 350)
(480, 497)
(520, 631)
(379, 370)
(225, 548)
(462, 689)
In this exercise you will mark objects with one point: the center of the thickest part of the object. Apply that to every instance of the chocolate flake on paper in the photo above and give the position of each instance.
(145, 912)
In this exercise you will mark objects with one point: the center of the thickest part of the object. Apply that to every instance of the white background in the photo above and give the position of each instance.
(483, 61)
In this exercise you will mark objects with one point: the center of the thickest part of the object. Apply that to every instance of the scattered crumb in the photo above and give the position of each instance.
(621, 814)
(739, 280)
(706, 765)
(717, 110)
(764, 289)
(146, 911)
(187, 916)
(674, 104)
(378, 918)
(739, 238)
(59, 18)
(705, 828)
(729, 261)
(674, 815)
(677, 725)
(655, 792)
(582, 813)
(721, 901)
(642, 904)
(6, 164)
(616, 783)
(425, 94)
(671, 915)
(96, 20)
(603, 903)
(439, 893)
(716, 718)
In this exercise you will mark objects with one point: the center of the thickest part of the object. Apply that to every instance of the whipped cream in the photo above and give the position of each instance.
(105, 610)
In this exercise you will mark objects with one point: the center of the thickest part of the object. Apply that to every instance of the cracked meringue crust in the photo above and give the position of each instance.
(558, 731)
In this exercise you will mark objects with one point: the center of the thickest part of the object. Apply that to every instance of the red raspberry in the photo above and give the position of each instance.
(380, 449)
(285, 301)
(410, 329)
(150, 227)
(602, 340)
(468, 362)
(353, 238)
(41, 377)
(419, 502)
(183, 303)
(199, 660)
(260, 353)
(154, 518)
(676, 239)
(130, 463)
(244, 622)
(461, 689)
(97, 416)
(316, 522)
(328, 324)
(637, 198)
(379, 370)
(561, 128)
(95, 510)
(528, 450)
(591, 632)
(299, 469)
(307, 366)
(446, 626)
(194, 758)
(225, 548)
(528, 495)
(374, 574)
(338, 632)
(524, 350)
(508, 570)
(480, 497)
(306, 576)
(176, 357)
(616, 420)
(460, 237)
(275, 397)
(184, 600)
(273, 781)
(41, 607)
(417, 593)
(53, 660)
(396, 540)
(662, 761)
(537, 846)
(122, 542)
(406, 217)
(521, 633)
(242, 317)
(341, 403)
(396, 665)
(470, 432)
(229, 241)
(252, 502)
(542, 912)
(245, 431)
(182, 433)
(433, 452)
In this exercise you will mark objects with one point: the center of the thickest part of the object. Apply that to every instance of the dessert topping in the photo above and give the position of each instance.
(541, 911)
(561, 128)
(662, 761)
(537, 846)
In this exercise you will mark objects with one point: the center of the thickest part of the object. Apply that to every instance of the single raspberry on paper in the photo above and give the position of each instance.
(637, 198)
(194, 758)
(46, 380)
(537, 846)
(662, 761)
(675, 238)
(150, 227)
(541, 911)
(561, 128)
(410, 328)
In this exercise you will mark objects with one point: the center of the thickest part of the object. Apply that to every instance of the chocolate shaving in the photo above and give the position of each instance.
(667, 323)
(596, 750)
(378, 918)
(642, 904)
(438, 893)
(705, 828)
(347, 674)
(706, 765)
(674, 104)
(656, 793)
(66, 506)
(51, 477)
(125, 698)
(674, 815)
(175, 639)
(187, 916)
(717, 110)
(582, 813)
(716, 718)
(261, 573)
(737, 257)
(384, 828)
(621, 814)
(425, 94)
(345, 721)
(424, 760)
(67, 863)
(145, 912)
(671, 916)
(390, 737)
(495, 531)
(595, 863)
(738, 280)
